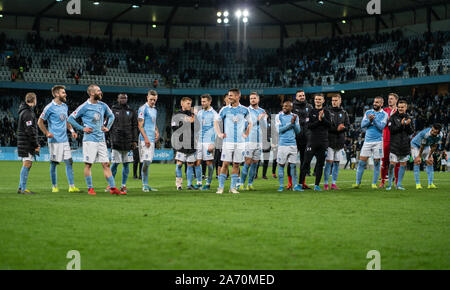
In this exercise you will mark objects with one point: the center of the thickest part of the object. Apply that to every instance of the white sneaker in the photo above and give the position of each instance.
(234, 190)
(219, 191)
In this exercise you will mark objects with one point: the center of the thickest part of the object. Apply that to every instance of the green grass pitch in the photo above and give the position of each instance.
(263, 229)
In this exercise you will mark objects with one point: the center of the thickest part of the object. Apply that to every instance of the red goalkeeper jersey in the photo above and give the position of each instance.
(386, 132)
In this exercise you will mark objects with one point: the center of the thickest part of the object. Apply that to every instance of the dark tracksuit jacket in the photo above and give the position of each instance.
(317, 142)
(336, 139)
(124, 130)
(400, 142)
(27, 131)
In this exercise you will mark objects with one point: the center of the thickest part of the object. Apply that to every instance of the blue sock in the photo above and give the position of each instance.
(23, 177)
(391, 174)
(210, 173)
(252, 173)
(145, 167)
(244, 173)
(376, 171)
(125, 172)
(69, 172)
(190, 175)
(401, 173)
(281, 175)
(198, 174)
(334, 172)
(89, 181)
(293, 168)
(430, 173)
(234, 180)
(417, 173)
(326, 172)
(114, 169)
(222, 178)
(178, 172)
(111, 181)
(53, 175)
(360, 171)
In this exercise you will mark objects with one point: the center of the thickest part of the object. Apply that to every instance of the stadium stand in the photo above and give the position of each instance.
(329, 61)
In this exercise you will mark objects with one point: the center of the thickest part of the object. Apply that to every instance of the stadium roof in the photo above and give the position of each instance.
(203, 12)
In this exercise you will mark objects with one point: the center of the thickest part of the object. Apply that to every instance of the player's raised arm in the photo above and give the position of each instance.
(365, 121)
(381, 123)
(297, 126)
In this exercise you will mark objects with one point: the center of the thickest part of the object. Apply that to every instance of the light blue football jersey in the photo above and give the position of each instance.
(93, 116)
(234, 119)
(374, 131)
(425, 138)
(149, 115)
(56, 117)
(255, 135)
(206, 120)
(286, 130)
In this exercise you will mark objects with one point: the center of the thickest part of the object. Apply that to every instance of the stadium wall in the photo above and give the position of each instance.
(219, 92)
(10, 154)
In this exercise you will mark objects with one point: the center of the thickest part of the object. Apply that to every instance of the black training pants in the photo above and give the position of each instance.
(317, 150)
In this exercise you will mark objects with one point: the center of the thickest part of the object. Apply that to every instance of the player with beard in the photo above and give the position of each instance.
(318, 122)
(253, 143)
(374, 121)
(391, 109)
(302, 109)
(92, 113)
(400, 128)
(56, 116)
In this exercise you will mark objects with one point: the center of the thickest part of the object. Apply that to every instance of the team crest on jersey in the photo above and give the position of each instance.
(62, 117)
